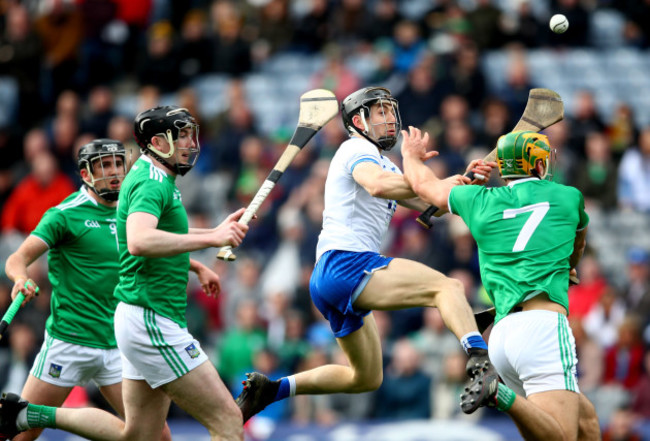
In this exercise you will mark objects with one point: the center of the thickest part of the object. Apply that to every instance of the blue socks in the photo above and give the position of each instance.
(287, 388)
(473, 340)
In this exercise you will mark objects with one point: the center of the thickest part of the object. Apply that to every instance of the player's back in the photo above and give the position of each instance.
(525, 234)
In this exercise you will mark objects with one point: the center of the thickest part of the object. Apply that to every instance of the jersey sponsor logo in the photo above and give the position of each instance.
(92, 224)
(193, 351)
(55, 370)
(177, 195)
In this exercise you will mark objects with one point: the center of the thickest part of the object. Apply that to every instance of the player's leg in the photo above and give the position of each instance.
(406, 283)
(40, 392)
(547, 416)
(202, 394)
(365, 373)
(109, 381)
(113, 395)
(588, 425)
(146, 410)
(362, 348)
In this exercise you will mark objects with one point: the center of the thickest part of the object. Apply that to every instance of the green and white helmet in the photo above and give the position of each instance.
(518, 152)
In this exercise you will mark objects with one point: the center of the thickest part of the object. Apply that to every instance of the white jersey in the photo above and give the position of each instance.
(353, 220)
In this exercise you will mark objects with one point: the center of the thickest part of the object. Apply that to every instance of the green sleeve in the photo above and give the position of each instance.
(461, 200)
(52, 228)
(584, 217)
(148, 196)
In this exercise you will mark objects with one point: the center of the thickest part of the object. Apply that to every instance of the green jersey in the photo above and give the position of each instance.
(83, 269)
(157, 283)
(525, 234)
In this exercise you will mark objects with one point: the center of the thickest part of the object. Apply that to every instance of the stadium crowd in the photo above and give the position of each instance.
(65, 67)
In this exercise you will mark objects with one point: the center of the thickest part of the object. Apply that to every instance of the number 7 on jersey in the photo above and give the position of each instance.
(538, 212)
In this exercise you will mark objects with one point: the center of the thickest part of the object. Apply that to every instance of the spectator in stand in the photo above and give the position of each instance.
(518, 83)
(595, 177)
(465, 77)
(622, 427)
(624, 360)
(274, 26)
(603, 321)
(637, 291)
(402, 395)
(583, 120)
(335, 76)
(621, 130)
(485, 24)
(380, 23)
(99, 113)
(634, 175)
(312, 30)
(22, 51)
(420, 100)
(195, 51)
(587, 293)
(232, 53)
(61, 30)
(558, 133)
(158, 64)
(434, 341)
(45, 187)
(239, 344)
(409, 46)
(345, 22)
(495, 121)
(641, 393)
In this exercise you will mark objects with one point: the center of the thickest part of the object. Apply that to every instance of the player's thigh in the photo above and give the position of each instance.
(403, 284)
(145, 410)
(363, 350)
(40, 392)
(113, 394)
(202, 394)
(563, 406)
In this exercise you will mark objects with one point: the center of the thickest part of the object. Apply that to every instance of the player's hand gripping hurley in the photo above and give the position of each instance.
(13, 309)
(317, 108)
(543, 109)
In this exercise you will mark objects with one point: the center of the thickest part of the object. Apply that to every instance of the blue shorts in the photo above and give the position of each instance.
(337, 280)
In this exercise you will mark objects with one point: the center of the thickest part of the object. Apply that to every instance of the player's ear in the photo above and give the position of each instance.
(85, 175)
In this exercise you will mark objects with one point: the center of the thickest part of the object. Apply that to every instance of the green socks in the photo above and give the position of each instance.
(36, 416)
(505, 397)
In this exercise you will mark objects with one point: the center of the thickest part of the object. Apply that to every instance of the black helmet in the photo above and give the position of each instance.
(97, 149)
(360, 102)
(166, 121)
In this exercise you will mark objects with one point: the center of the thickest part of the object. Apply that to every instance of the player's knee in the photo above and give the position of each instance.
(368, 383)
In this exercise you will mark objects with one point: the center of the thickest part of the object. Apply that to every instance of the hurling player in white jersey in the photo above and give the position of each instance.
(351, 278)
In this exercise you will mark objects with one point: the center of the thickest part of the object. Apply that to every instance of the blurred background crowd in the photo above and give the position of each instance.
(74, 70)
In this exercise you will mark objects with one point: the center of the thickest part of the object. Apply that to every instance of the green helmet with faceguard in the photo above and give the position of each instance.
(518, 152)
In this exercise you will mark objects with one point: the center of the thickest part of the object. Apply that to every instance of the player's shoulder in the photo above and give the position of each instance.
(356, 145)
(74, 202)
(145, 172)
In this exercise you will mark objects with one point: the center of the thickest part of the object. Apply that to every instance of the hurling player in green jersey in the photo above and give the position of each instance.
(161, 361)
(81, 236)
(530, 235)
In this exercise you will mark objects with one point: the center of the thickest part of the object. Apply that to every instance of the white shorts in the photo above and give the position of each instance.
(66, 364)
(534, 351)
(154, 348)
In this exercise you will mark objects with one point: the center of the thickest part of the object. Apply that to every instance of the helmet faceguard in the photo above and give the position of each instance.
(171, 123)
(360, 103)
(518, 153)
(92, 158)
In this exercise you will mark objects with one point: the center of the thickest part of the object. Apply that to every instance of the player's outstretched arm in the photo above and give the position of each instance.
(143, 238)
(421, 178)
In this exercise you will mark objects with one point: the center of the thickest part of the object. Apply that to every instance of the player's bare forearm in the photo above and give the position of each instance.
(415, 203)
(578, 247)
(30, 250)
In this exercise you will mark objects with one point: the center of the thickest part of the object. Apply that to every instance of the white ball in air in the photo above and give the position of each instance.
(559, 24)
